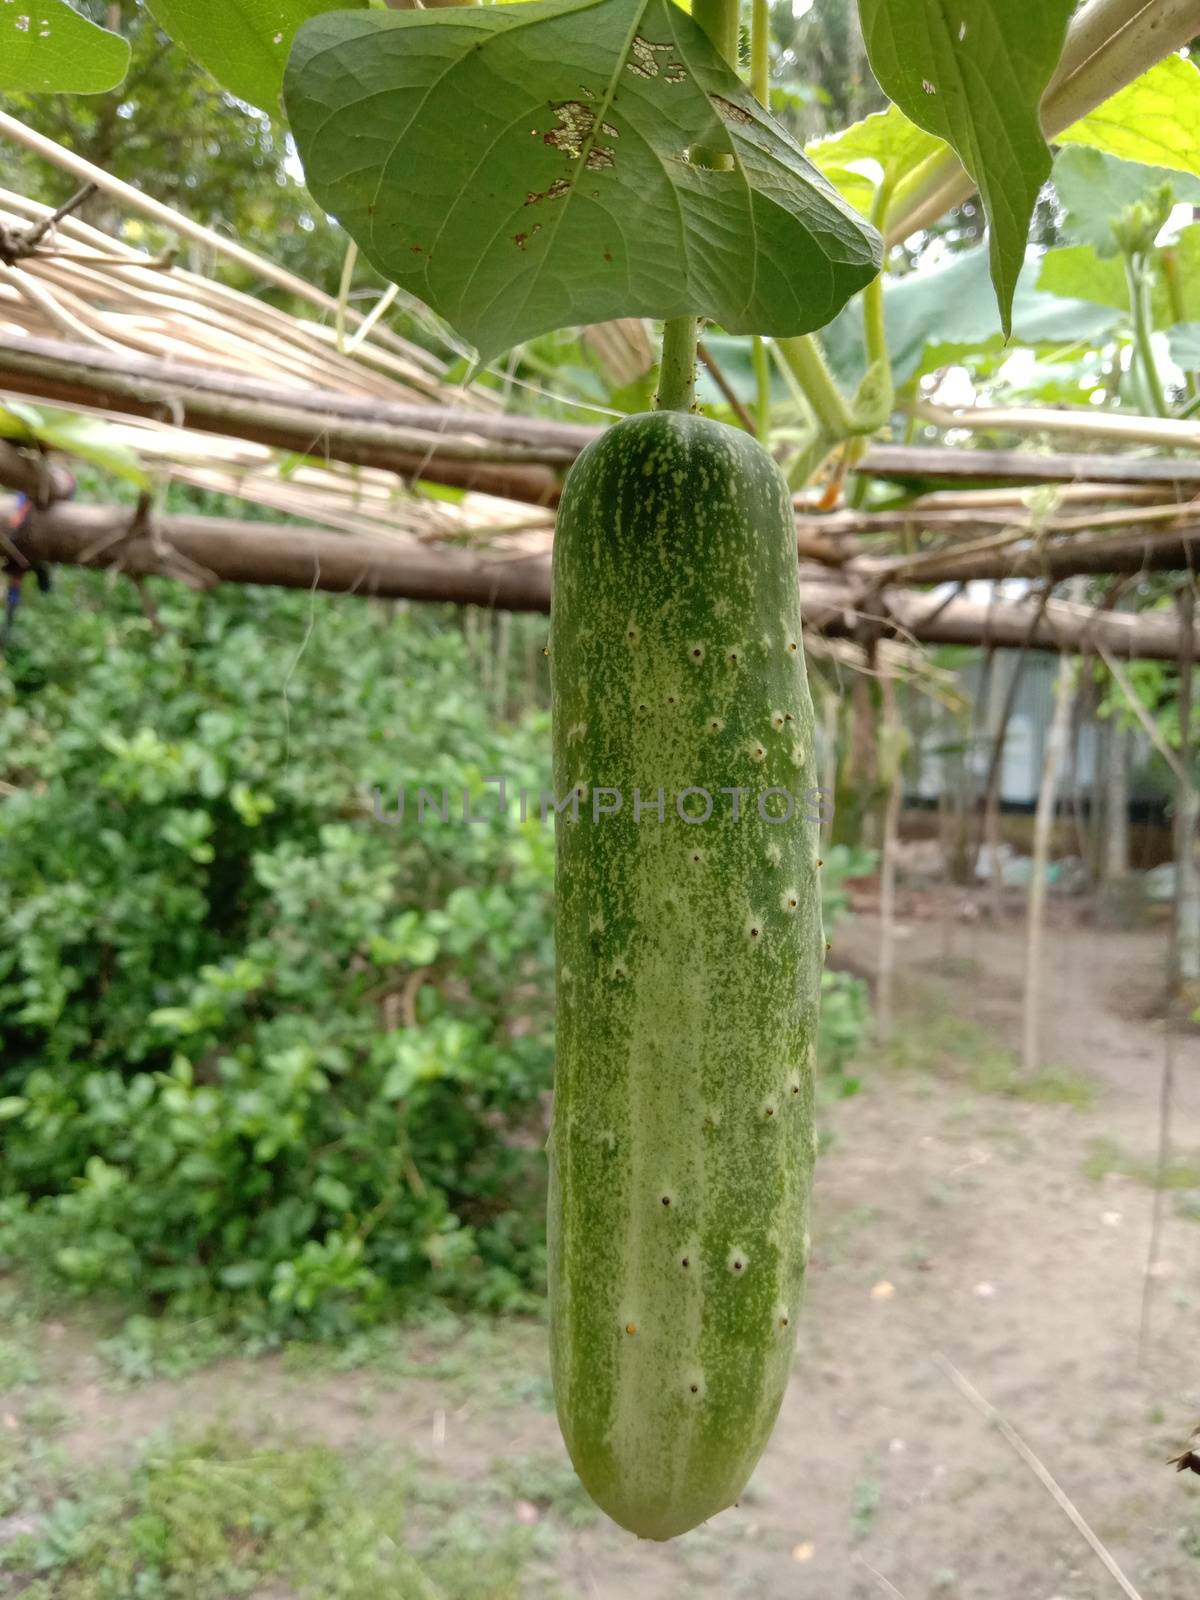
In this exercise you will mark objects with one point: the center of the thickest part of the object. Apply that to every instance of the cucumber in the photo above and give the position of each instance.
(689, 957)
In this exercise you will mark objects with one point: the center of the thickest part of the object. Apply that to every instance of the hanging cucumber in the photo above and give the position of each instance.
(689, 958)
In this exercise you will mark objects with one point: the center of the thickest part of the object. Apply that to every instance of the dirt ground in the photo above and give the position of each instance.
(966, 1222)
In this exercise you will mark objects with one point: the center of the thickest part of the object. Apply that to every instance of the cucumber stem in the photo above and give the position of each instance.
(760, 53)
(762, 389)
(874, 316)
(760, 84)
(677, 374)
(349, 262)
(1138, 276)
(806, 361)
(1170, 265)
(719, 19)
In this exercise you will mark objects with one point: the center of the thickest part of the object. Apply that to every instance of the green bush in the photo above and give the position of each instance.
(264, 1055)
(260, 1048)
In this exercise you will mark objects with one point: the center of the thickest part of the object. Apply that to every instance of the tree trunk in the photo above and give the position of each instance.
(1185, 973)
(1052, 763)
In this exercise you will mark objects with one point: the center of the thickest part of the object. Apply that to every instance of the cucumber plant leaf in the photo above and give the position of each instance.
(529, 167)
(868, 159)
(243, 43)
(947, 313)
(1155, 120)
(46, 47)
(1094, 189)
(974, 74)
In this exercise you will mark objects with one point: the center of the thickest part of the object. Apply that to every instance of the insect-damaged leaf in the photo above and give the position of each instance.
(524, 168)
(974, 72)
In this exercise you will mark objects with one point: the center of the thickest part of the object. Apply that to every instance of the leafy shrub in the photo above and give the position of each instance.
(260, 1047)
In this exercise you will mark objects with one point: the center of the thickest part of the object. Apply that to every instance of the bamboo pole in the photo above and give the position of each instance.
(519, 580)
(1185, 957)
(1097, 71)
(1113, 427)
(921, 463)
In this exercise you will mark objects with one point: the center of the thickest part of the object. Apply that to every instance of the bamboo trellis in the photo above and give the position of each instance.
(220, 390)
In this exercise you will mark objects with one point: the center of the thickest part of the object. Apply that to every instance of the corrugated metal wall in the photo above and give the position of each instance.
(945, 743)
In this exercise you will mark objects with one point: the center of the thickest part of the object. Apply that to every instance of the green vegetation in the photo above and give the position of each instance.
(215, 1515)
(933, 1037)
(1105, 1157)
(261, 1049)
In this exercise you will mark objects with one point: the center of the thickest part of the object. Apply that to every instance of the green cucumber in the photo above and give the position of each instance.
(689, 961)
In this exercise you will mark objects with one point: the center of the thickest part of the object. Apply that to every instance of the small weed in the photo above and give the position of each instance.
(935, 1039)
(998, 1072)
(18, 1368)
(1105, 1157)
(1017, 1146)
(161, 1347)
(211, 1517)
(952, 966)
(865, 1501)
(550, 1484)
(45, 1413)
(474, 1358)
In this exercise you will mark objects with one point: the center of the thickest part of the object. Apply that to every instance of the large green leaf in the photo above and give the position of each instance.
(974, 75)
(1081, 273)
(948, 313)
(47, 48)
(243, 43)
(1094, 189)
(873, 155)
(1155, 120)
(528, 167)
